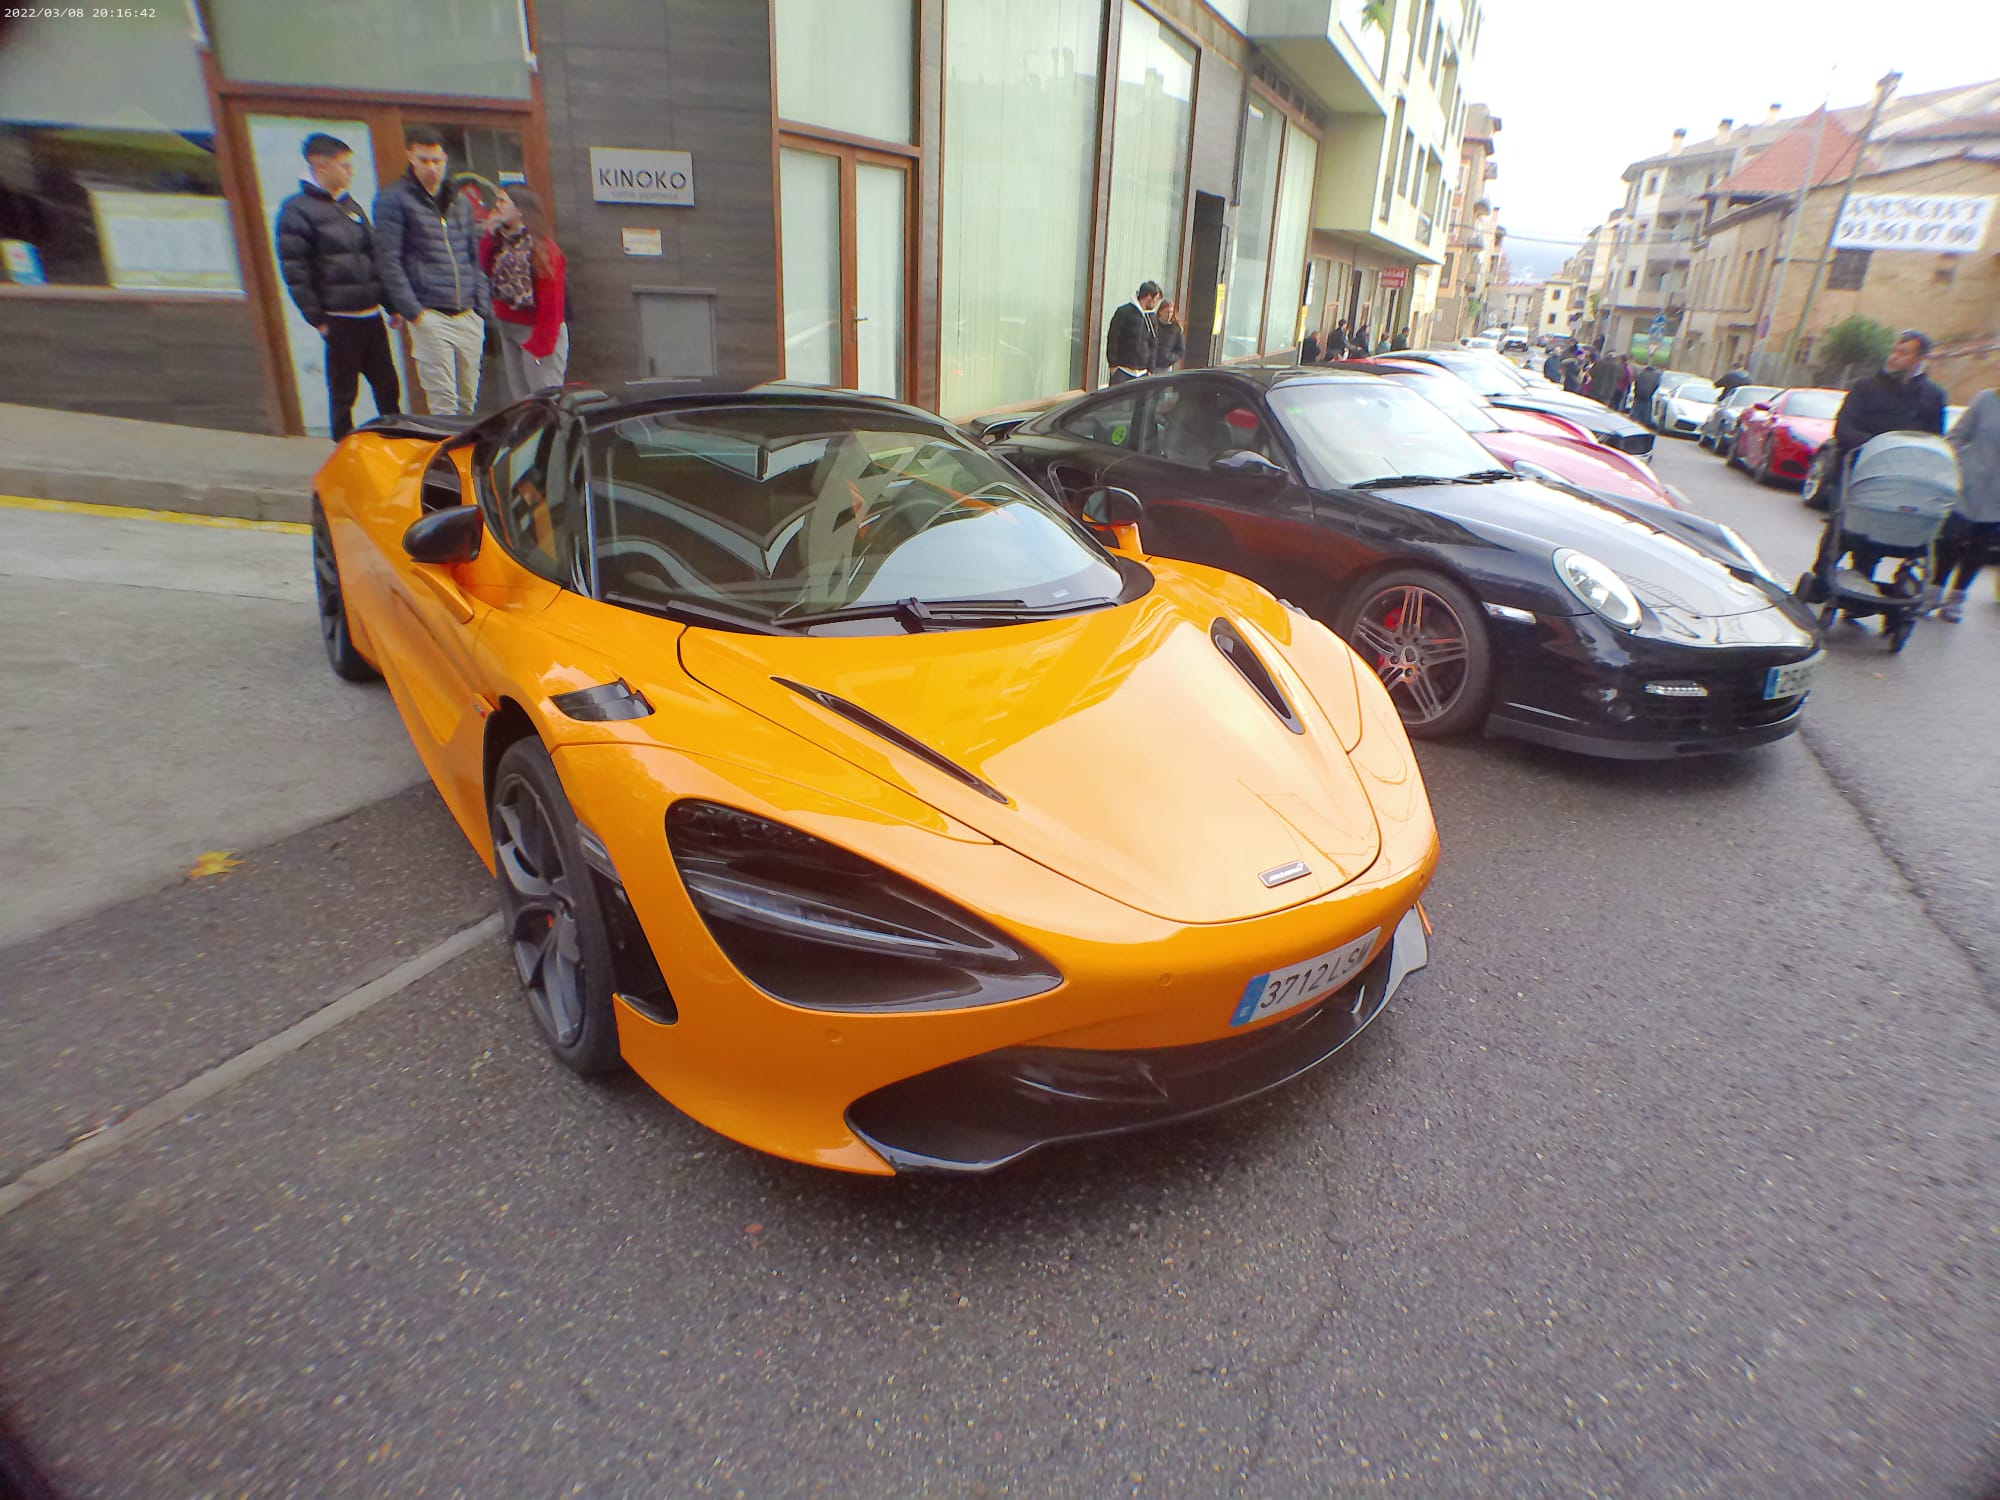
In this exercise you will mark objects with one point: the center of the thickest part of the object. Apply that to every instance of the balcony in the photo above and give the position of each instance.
(1324, 44)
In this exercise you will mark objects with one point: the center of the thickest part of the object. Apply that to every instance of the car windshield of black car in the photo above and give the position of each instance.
(770, 513)
(1345, 433)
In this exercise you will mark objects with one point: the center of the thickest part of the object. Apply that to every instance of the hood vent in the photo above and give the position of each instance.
(1232, 645)
(854, 713)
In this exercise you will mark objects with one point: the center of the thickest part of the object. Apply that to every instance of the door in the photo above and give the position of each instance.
(1218, 485)
(844, 227)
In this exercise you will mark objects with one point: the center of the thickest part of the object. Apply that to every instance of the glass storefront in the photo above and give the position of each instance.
(470, 47)
(847, 65)
(1020, 141)
(1249, 267)
(1153, 116)
(1284, 306)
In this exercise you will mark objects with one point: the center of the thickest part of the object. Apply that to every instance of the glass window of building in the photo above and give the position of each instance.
(1020, 141)
(1154, 112)
(847, 65)
(107, 160)
(1249, 267)
(1288, 239)
(473, 47)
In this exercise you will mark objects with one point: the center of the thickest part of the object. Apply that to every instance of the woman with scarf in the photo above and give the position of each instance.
(525, 268)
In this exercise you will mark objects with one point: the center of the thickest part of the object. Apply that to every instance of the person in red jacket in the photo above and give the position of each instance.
(524, 266)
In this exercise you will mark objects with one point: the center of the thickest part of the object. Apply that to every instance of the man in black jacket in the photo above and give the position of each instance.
(326, 251)
(427, 251)
(1899, 397)
(1128, 342)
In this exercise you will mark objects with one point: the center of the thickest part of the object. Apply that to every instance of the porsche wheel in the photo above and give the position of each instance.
(333, 632)
(1762, 472)
(1422, 634)
(549, 903)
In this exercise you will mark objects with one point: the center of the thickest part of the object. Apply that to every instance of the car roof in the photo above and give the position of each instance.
(601, 407)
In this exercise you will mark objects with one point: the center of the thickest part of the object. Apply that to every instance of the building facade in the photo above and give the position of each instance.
(1474, 233)
(941, 200)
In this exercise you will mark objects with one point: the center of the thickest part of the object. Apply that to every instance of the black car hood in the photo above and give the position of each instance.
(1685, 579)
(1582, 409)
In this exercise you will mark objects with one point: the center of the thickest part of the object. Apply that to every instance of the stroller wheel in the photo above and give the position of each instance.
(1829, 617)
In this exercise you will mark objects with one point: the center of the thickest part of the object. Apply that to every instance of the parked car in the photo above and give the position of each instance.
(1681, 412)
(856, 796)
(1482, 343)
(1669, 382)
(1504, 385)
(1480, 598)
(1514, 341)
(1572, 458)
(1718, 428)
(1777, 439)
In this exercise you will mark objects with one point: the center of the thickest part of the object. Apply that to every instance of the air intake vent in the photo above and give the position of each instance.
(883, 729)
(1232, 645)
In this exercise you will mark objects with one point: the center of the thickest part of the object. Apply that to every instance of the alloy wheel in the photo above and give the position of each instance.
(1417, 645)
(326, 585)
(540, 900)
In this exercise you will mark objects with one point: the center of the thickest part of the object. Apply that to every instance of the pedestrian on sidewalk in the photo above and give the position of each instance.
(1647, 382)
(1572, 370)
(1401, 341)
(1604, 380)
(1358, 346)
(1899, 397)
(326, 251)
(1336, 342)
(1309, 348)
(1128, 342)
(426, 249)
(1973, 537)
(1732, 378)
(523, 266)
(1169, 338)
(1552, 367)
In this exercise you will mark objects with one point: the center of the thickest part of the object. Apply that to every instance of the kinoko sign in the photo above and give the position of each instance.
(1944, 224)
(621, 176)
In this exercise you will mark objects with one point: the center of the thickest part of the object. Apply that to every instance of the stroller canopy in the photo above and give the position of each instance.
(1901, 469)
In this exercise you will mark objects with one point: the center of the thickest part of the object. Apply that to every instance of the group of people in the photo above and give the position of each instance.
(428, 262)
(1339, 342)
(1145, 336)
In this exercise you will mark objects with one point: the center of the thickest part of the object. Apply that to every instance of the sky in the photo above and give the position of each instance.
(1583, 87)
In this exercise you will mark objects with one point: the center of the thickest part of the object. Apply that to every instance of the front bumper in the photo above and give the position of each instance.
(984, 1112)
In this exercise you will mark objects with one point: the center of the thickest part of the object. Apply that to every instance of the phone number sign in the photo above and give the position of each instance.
(1951, 224)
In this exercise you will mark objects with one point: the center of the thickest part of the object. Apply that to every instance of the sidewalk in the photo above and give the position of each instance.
(60, 455)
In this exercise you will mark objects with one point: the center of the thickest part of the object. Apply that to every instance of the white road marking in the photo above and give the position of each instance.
(58, 1169)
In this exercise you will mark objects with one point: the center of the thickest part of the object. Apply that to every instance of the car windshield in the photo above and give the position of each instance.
(1454, 400)
(1814, 403)
(1346, 433)
(1748, 395)
(769, 514)
(1485, 373)
(1697, 391)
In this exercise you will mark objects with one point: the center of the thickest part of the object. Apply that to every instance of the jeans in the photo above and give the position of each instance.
(356, 347)
(447, 348)
(525, 373)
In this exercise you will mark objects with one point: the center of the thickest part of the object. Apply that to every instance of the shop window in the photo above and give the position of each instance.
(1149, 156)
(1288, 239)
(472, 47)
(847, 65)
(1249, 269)
(108, 174)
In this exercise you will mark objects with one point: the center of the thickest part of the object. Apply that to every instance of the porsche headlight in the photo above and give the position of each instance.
(1596, 585)
(820, 927)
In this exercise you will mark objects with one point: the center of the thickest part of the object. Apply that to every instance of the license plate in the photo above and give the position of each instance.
(1302, 983)
(1793, 678)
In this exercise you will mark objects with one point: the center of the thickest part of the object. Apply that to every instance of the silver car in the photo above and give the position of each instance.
(1718, 430)
(1682, 413)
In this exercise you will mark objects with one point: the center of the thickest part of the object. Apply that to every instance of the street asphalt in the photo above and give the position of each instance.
(1673, 1175)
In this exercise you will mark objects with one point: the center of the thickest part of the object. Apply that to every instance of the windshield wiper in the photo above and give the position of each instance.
(1400, 481)
(1486, 476)
(695, 614)
(928, 614)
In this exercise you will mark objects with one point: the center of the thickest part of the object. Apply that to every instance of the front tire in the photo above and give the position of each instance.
(1762, 472)
(1424, 637)
(334, 634)
(548, 899)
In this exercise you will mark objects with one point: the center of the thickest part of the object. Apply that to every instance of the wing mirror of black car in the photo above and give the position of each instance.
(445, 537)
(1249, 464)
(1113, 518)
(442, 488)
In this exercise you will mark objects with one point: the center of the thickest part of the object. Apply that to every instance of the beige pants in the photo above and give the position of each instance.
(446, 348)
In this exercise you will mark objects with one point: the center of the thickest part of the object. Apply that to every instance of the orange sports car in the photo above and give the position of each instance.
(875, 811)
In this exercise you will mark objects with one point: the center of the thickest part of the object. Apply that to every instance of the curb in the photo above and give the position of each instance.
(248, 501)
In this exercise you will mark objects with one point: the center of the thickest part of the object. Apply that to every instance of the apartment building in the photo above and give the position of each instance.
(1474, 235)
(1554, 310)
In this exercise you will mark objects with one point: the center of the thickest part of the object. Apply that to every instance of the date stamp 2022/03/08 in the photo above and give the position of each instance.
(79, 13)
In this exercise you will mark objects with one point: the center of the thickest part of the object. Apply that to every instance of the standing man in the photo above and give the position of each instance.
(327, 254)
(1643, 387)
(1731, 380)
(1899, 397)
(1336, 343)
(1552, 367)
(428, 255)
(1128, 342)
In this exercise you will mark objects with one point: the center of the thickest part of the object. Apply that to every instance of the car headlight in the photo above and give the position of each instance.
(1528, 470)
(1596, 585)
(817, 926)
(1748, 553)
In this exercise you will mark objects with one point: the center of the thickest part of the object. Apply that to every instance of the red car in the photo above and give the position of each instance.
(1533, 444)
(1777, 439)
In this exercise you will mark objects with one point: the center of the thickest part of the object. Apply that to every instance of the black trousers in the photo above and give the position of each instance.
(356, 347)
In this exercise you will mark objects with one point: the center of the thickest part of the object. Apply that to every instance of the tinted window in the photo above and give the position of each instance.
(1814, 403)
(1196, 422)
(529, 513)
(1750, 395)
(1102, 421)
(1349, 433)
(770, 510)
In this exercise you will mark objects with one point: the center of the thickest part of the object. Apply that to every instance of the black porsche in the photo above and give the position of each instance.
(1614, 628)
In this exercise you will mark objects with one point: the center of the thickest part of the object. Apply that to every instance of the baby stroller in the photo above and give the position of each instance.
(1894, 496)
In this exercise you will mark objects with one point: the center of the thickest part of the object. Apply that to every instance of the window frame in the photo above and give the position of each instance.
(1244, 395)
(555, 428)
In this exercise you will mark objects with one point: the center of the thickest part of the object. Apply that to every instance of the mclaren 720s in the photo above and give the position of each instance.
(876, 811)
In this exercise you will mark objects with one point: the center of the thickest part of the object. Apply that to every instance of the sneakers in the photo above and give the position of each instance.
(1953, 608)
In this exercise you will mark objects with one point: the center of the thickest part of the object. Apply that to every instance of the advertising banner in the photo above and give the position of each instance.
(1942, 223)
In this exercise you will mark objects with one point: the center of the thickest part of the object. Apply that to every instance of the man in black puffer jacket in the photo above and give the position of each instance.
(1899, 397)
(327, 253)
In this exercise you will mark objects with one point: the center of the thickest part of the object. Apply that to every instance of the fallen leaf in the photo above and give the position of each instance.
(753, 1228)
(214, 862)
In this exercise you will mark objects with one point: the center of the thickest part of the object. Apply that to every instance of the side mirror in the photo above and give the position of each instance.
(1249, 464)
(445, 537)
(1760, 406)
(1113, 518)
(442, 488)
(990, 432)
